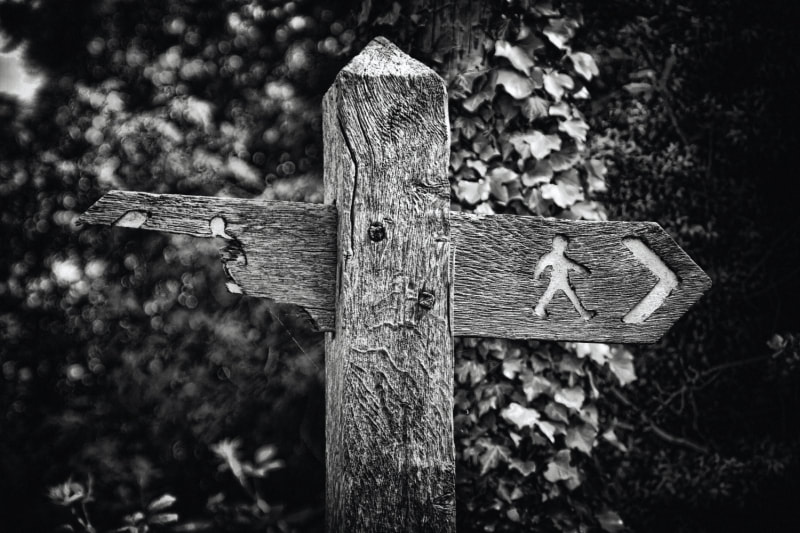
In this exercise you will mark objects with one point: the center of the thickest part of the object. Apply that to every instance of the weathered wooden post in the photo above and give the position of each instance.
(391, 275)
(389, 362)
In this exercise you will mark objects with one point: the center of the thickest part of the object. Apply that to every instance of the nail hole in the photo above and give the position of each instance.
(426, 299)
(376, 231)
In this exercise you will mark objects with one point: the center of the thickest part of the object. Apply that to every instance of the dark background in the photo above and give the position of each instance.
(125, 361)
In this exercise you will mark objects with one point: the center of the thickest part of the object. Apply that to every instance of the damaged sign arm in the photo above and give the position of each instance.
(285, 251)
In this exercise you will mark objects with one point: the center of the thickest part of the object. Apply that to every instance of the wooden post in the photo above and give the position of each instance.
(389, 362)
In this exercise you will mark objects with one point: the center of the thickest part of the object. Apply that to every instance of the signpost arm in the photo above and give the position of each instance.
(389, 361)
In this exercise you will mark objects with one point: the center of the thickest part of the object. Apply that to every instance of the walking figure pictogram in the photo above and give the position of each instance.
(560, 266)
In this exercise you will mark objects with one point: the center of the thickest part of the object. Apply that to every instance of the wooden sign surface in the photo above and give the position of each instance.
(611, 282)
(530, 277)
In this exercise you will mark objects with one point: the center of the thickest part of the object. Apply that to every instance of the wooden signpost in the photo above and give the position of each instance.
(392, 275)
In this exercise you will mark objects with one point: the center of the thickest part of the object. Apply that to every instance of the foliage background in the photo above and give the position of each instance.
(127, 368)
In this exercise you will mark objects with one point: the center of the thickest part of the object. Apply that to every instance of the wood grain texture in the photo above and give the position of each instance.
(496, 291)
(291, 251)
(389, 363)
(285, 251)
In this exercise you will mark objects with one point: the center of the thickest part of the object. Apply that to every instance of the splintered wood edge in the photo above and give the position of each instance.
(299, 242)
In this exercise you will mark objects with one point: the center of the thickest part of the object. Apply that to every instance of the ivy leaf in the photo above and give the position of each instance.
(560, 31)
(485, 149)
(621, 364)
(610, 522)
(612, 439)
(484, 209)
(502, 492)
(520, 416)
(498, 177)
(525, 468)
(589, 210)
(536, 203)
(472, 192)
(557, 412)
(474, 102)
(561, 109)
(539, 144)
(584, 64)
(538, 364)
(486, 405)
(564, 192)
(548, 429)
(516, 85)
(572, 397)
(596, 171)
(565, 158)
(589, 415)
(517, 56)
(582, 94)
(462, 399)
(557, 83)
(470, 453)
(471, 370)
(559, 469)
(581, 438)
(478, 166)
(534, 107)
(514, 189)
(468, 125)
(499, 192)
(571, 364)
(492, 456)
(497, 348)
(597, 351)
(533, 385)
(541, 173)
(512, 367)
(575, 128)
(457, 158)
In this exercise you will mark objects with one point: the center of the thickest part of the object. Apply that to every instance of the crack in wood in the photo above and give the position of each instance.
(354, 191)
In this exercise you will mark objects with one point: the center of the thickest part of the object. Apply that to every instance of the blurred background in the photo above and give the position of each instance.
(138, 395)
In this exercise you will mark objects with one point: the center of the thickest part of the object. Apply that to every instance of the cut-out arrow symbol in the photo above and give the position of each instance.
(667, 281)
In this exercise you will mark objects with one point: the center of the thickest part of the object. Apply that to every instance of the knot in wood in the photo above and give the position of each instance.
(376, 231)
(426, 299)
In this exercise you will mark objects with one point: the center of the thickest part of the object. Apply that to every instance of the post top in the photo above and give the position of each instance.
(381, 57)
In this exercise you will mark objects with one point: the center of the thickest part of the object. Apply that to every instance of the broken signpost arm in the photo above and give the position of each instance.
(285, 251)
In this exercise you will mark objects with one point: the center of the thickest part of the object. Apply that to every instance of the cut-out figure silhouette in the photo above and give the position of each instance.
(560, 266)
